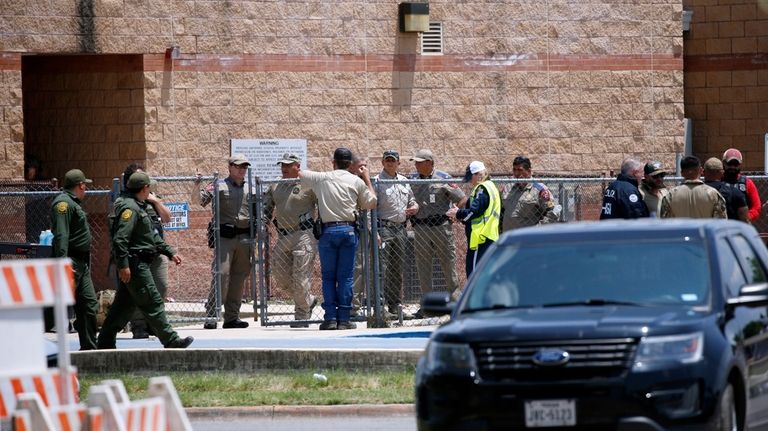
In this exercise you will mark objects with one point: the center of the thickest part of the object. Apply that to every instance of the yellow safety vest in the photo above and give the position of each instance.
(486, 227)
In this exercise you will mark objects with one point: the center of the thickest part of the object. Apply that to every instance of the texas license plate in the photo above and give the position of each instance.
(550, 413)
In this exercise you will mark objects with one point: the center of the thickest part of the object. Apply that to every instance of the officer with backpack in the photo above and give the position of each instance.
(159, 214)
(135, 245)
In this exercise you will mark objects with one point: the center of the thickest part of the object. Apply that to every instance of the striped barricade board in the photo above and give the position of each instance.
(48, 385)
(33, 282)
(26, 286)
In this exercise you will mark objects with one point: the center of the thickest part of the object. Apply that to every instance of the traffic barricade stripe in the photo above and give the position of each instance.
(13, 286)
(32, 282)
(37, 381)
(36, 288)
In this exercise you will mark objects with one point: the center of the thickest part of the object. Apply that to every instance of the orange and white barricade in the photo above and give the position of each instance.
(47, 384)
(150, 414)
(35, 398)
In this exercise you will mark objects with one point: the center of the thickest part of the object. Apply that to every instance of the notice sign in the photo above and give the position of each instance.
(179, 216)
(265, 153)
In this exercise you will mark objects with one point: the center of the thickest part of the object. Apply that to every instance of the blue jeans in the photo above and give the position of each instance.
(337, 247)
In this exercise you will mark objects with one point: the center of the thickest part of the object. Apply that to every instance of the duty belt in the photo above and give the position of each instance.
(390, 223)
(433, 220)
(83, 256)
(146, 256)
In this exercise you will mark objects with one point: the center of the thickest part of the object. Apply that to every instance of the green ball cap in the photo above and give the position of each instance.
(138, 180)
(74, 177)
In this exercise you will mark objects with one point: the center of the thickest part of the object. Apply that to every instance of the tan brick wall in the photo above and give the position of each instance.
(726, 78)
(80, 118)
(578, 85)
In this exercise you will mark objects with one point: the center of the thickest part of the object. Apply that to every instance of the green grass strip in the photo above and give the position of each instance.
(226, 389)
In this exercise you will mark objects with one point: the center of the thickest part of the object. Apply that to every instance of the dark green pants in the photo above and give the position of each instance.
(139, 293)
(159, 269)
(86, 306)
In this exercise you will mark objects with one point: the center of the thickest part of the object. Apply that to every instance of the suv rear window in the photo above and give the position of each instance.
(644, 272)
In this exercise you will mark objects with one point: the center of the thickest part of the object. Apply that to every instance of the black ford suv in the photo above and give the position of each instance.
(626, 325)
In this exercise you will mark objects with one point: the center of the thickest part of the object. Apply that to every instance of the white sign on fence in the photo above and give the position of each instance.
(179, 216)
(264, 154)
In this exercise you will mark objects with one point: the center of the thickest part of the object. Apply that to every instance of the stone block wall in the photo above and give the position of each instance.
(726, 77)
(577, 85)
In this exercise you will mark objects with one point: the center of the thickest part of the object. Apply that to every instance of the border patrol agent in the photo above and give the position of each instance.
(433, 230)
(293, 208)
(235, 244)
(527, 204)
(481, 217)
(135, 245)
(72, 238)
(158, 213)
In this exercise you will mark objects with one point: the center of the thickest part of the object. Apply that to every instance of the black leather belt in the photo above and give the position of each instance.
(339, 223)
(433, 220)
(83, 256)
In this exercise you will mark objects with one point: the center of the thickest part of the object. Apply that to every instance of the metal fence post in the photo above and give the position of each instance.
(378, 306)
(261, 246)
(217, 245)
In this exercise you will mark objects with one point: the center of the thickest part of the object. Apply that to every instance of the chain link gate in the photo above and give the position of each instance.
(25, 210)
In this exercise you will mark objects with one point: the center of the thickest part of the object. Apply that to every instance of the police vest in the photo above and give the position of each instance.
(486, 227)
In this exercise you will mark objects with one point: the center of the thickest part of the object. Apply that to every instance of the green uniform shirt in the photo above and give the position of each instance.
(134, 231)
(69, 225)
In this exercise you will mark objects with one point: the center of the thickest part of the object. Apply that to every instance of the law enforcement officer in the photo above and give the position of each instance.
(481, 216)
(433, 231)
(135, 245)
(527, 204)
(732, 160)
(159, 214)
(395, 203)
(72, 238)
(292, 208)
(622, 198)
(234, 244)
(735, 201)
(693, 198)
(652, 187)
(339, 193)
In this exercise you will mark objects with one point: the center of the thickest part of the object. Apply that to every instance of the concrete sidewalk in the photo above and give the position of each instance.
(261, 348)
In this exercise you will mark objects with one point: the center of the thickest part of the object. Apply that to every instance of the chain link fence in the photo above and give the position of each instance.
(285, 273)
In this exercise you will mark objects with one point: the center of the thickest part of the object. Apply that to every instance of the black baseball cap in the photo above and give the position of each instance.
(342, 154)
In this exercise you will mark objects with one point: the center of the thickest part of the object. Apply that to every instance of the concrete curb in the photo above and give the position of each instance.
(294, 411)
(240, 360)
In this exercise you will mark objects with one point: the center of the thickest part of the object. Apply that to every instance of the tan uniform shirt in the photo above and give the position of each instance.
(434, 199)
(393, 199)
(293, 203)
(652, 201)
(693, 199)
(233, 200)
(339, 194)
(527, 206)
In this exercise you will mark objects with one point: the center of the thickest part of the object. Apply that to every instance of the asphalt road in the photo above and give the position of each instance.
(309, 423)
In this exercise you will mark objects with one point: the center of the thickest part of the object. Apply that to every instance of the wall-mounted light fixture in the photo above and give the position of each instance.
(413, 17)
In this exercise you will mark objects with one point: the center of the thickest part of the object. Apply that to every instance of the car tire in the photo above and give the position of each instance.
(727, 419)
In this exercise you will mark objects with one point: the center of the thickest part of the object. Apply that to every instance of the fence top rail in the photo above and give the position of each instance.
(52, 193)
